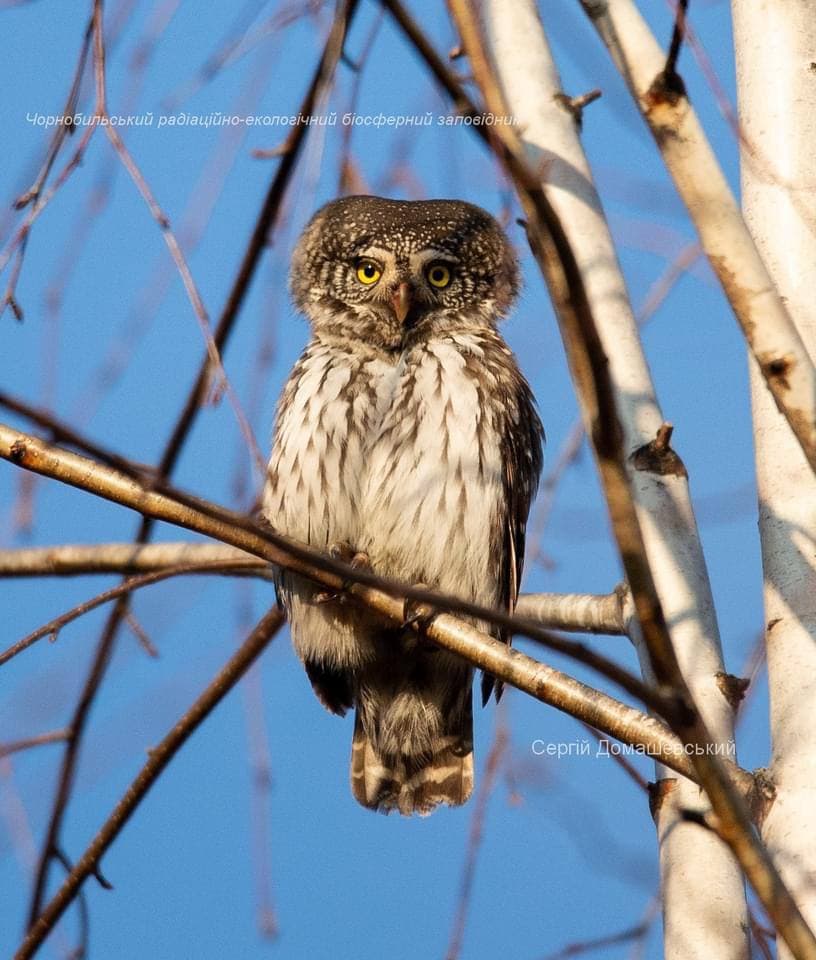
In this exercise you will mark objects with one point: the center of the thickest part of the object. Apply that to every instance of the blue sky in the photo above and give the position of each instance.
(569, 854)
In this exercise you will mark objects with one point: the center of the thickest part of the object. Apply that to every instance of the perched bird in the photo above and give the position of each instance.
(407, 439)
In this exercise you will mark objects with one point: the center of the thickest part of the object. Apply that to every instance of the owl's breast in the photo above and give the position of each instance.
(330, 409)
(433, 493)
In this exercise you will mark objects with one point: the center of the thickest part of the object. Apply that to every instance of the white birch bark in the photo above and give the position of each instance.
(705, 913)
(758, 308)
(776, 76)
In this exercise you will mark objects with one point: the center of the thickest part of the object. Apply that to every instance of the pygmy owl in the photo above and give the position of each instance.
(406, 435)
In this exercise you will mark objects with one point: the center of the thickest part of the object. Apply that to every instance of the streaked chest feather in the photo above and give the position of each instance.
(402, 460)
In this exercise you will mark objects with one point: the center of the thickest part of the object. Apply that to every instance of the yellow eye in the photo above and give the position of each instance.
(368, 272)
(438, 275)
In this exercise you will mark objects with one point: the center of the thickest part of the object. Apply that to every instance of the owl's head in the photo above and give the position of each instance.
(386, 271)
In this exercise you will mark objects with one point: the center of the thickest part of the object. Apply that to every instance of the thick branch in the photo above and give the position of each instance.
(542, 682)
(386, 596)
(704, 906)
(766, 324)
(777, 106)
(590, 373)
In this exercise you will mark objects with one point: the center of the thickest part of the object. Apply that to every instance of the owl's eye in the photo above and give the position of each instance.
(438, 275)
(368, 272)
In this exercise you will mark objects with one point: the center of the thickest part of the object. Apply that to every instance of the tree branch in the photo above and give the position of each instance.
(386, 596)
(589, 366)
(53, 627)
(61, 432)
(15, 746)
(574, 612)
(388, 599)
(699, 878)
(761, 313)
(267, 218)
(159, 758)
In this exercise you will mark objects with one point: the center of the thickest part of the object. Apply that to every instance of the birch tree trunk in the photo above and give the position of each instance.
(776, 77)
(705, 914)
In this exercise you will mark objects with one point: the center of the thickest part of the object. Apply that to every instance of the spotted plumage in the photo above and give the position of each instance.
(407, 435)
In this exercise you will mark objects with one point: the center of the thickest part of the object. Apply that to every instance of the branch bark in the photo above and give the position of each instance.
(575, 612)
(511, 666)
(159, 758)
(704, 908)
(589, 366)
(775, 47)
(772, 337)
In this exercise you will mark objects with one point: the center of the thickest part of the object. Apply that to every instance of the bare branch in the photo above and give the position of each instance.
(159, 758)
(387, 598)
(477, 825)
(581, 947)
(14, 746)
(222, 383)
(580, 612)
(590, 373)
(53, 627)
(63, 129)
(670, 76)
(766, 324)
(574, 612)
(266, 220)
(62, 432)
(68, 560)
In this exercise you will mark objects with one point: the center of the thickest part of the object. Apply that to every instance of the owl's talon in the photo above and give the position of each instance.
(354, 558)
(341, 550)
(418, 613)
(328, 596)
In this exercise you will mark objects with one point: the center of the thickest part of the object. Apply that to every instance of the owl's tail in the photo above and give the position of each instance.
(405, 759)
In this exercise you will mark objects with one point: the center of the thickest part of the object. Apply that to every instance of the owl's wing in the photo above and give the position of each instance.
(522, 468)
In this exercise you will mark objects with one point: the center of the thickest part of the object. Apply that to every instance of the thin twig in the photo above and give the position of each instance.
(670, 74)
(158, 760)
(62, 432)
(81, 951)
(345, 164)
(260, 769)
(63, 129)
(53, 627)
(141, 635)
(477, 825)
(581, 947)
(15, 746)
(222, 381)
(632, 772)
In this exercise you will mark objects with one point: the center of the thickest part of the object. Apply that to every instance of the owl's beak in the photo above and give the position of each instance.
(401, 301)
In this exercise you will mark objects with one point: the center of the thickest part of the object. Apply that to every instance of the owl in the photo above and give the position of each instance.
(406, 439)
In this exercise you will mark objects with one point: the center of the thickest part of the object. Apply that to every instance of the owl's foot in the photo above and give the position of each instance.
(354, 558)
(418, 613)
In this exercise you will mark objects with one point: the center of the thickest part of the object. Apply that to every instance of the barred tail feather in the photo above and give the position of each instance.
(411, 784)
